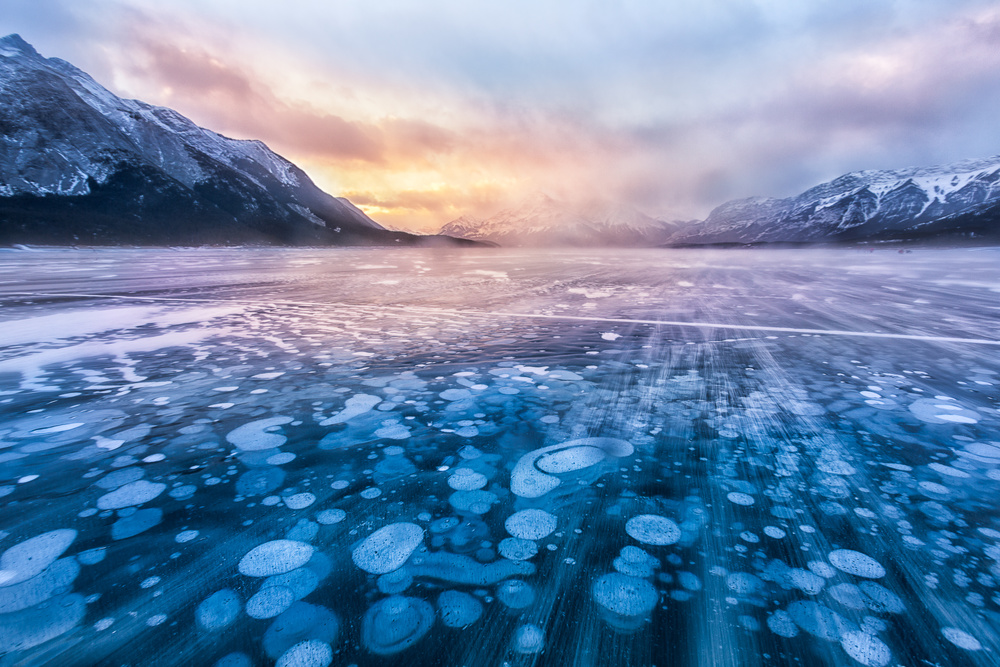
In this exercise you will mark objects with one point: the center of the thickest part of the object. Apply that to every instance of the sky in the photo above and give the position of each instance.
(420, 112)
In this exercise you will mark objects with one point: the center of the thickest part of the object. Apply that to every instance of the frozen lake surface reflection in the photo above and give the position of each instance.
(361, 457)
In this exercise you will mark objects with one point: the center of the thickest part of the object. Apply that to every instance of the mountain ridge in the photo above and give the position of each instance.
(78, 164)
(949, 201)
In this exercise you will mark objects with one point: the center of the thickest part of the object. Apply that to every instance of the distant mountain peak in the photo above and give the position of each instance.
(78, 164)
(14, 45)
(960, 199)
(541, 220)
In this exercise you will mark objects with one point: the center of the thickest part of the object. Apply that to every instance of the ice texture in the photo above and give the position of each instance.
(251, 456)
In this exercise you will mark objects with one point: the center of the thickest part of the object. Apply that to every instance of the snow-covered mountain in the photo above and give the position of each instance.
(78, 164)
(541, 220)
(950, 201)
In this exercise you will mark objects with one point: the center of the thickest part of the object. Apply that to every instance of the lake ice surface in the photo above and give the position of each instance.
(414, 457)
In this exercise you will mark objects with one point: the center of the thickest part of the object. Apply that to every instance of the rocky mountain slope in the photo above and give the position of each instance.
(948, 202)
(80, 165)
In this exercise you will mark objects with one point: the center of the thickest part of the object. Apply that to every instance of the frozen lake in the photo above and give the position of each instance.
(482, 458)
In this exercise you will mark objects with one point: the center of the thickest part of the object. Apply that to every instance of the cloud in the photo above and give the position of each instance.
(231, 100)
(423, 111)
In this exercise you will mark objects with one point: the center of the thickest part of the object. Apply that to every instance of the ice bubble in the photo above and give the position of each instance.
(459, 610)
(459, 569)
(136, 523)
(304, 530)
(516, 548)
(934, 489)
(739, 498)
(299, 501)
(635, 562)
(948, 471)
(961, 639)
(610, 336)
(865, 648)
(529, 639)
(395, 582)
(280, 459)
(270, 601)
(275, 557)
(806, 581)
(388, 548)
(327, 517)
(836, 467)
(774, 532)
(303, 580)
(475, 502)
(395, 623)
(469, 453)
(880, 599)
(743, 583)
(36, 625)
(958, 419)
(255, 436)
(783, 512)
(234, 660)
(455, 394)
(569, 460)
(464, 479)
(120, 477)
(856, 563)
(311, 653)
(515, 594)
(91, 556)
(30, 557)
(218, 610)
(354, 406)
(300, 622)
(805, 409)
(370, 493)
(393, 431)
(182, 492)
(131, 494)
(933, 411)
(567, 376)
(185, 536)
(653, 529)
(444, 524)
(848, 595)
(534, 475)
(625, 601)
(819, 621)
(530, 524)
(985, 451)
(781, 624)
(55, 579)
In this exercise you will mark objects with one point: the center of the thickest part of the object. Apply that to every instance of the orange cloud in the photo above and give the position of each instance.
(228, 100)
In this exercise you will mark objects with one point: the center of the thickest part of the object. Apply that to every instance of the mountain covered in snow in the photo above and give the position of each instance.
(948, 202)
(541, 220)
(78, 164)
